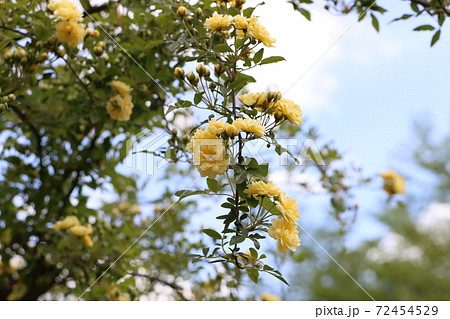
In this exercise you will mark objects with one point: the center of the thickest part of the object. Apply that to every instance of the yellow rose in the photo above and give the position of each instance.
(290, 110)
(135, 209)
(215, 127)
(198, 135)
(231, 130)
(218, 22)
(393, 182)
(286, 234)
(250, 99)
(210, 157)
(66, 223)
(240, 22)
(260, 33)
(289, 208)
(250, 126)
(81, 231)
(120, 107)
(87, 241)
(123, 298)
(70, 32)
(120, 87)
(260, 188)
(268, 297)
(65, 10)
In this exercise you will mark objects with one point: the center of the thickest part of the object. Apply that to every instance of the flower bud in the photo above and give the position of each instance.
(11, 97)
(20, 53)
(182, 11)
(218, 69)
(2, 106)
(95, 34)
(174, 132)
(207, 72)
(198, 12)
(179, 72)
(101, 44)
(201, 69)
(61, 52)
(39, 45)
(98, 51)
(212, 86)
(50, 41)
(191, 77)
(42, 57)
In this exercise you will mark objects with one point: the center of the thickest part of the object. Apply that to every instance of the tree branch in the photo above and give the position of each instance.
(178, 290)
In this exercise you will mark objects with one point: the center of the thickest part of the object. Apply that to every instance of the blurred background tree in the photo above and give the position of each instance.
(411, 260)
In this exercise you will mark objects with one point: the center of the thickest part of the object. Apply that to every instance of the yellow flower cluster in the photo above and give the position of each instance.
(210, 156)
(69, 30)
(393, 182)
(273, 103)
(252, 28)
(244, 27)
(72, 223)
(284, 229)
(218, 22)
(120, 106)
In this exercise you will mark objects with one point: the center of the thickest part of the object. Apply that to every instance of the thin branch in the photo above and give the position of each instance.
(178, 290)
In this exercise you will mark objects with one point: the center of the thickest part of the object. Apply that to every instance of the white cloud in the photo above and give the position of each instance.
(315, 47)
(301, 43)
(394, 247)
(435, 221)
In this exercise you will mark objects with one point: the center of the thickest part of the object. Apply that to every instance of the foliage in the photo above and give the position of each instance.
(410, 261)
(437, 10)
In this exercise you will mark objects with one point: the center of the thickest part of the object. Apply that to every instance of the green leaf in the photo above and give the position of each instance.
(375, 22)
(240, 81)
(415, 7)
(403, 17)
(425, 27)
(222, 48)
(281, 278)
(253, 252)
(237, 239)
(305, 13)
(253, 274)
(441, 19)
(213, 185)
(4, 43)
(272, 59)
(186, 193)
(212, 233)
(198, 97)
(258, 56)
(436, 37)
(270, 206)
(153, 44)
